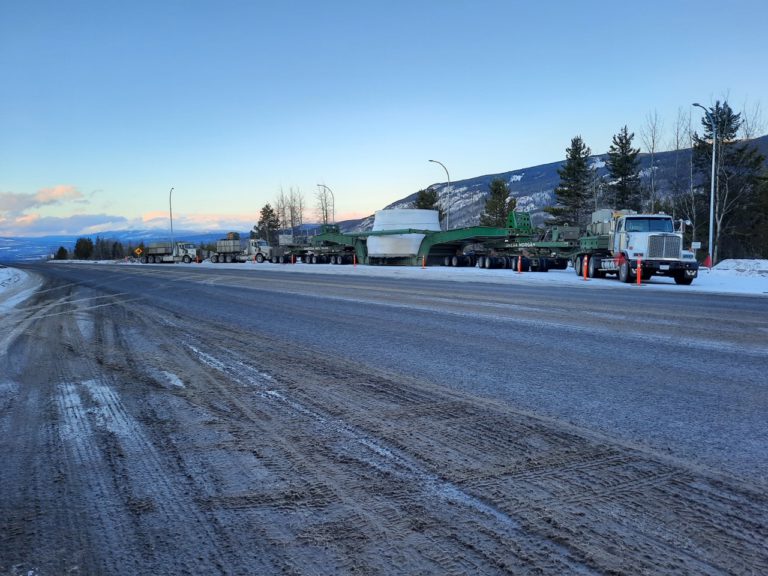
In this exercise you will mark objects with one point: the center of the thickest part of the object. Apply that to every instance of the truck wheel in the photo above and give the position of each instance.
(186, 259)
(259, 258)
(593, 267)
(682, 279)
(143, 260)
(577, 265)
(624, 273)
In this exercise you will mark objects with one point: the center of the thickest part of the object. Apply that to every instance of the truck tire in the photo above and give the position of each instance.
(577, 265)
(143, 260)
(682, 279)
(186, 260)
(259, 258)
(593, 267)
(624, 274)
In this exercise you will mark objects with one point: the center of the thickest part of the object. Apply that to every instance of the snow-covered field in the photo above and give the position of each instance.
(729, 276)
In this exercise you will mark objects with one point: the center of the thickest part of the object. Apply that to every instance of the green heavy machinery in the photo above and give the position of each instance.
(518, 245)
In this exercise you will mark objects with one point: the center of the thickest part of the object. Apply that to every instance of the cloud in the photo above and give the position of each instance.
(13, 203)
(36, 225)
(199, 222)
(33, 224)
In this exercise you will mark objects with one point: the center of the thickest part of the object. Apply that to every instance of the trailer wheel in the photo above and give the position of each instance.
(577, 265)
(143, 260)
(624, 273)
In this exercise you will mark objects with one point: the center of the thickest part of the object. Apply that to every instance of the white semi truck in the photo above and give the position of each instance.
(617, 242)
(236, 250)
(167, 252)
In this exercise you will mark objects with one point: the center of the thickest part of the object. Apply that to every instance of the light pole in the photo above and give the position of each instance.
(170, 208)
(333, 202)
(448, 195)
(713, 123)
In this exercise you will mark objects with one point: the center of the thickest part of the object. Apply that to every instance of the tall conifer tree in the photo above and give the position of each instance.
(624, 171)
(499, 204)
(572, 195)
(738, 187)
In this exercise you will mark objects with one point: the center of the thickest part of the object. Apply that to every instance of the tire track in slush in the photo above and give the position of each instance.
(395, 462)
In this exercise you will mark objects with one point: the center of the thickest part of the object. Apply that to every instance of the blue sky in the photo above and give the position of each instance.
(107, 105)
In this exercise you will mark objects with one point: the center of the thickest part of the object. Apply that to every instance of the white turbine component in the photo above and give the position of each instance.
(400, 245)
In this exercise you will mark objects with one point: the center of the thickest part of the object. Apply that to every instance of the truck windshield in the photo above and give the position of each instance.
(649, 225)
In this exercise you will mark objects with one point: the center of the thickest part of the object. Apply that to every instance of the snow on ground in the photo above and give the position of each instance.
(729, 276)
(15, 286)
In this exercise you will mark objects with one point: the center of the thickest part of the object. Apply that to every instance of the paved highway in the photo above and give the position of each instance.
(472, 389)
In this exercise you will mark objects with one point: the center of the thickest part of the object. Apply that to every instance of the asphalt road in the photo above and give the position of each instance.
(672, 384)
(680, 372)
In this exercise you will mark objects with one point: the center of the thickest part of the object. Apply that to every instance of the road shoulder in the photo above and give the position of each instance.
(16, 286)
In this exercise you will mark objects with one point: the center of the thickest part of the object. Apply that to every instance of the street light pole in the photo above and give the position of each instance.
(448, 202)
(170, 208)
(333, 202)
(713, 123)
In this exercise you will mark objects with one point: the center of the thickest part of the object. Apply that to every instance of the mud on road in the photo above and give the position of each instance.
(139, 441)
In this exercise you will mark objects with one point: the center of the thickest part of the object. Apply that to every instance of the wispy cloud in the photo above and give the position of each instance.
(198, 222)
(36, 225)
(13, 203)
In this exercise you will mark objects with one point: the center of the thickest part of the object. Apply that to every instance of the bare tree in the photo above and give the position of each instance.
(290, 208)
(684, 195)
(324, 203)
(650, 135)
(296, 207)
(281, 207)
(752, 123)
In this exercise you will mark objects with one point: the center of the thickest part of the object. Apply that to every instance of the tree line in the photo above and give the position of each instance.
(740, 205)
(99, 249)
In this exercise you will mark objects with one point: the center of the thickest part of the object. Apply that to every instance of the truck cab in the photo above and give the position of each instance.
(647, 236)
(618, 242)
(258, 250)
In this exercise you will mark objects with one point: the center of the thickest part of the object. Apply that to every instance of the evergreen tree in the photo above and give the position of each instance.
(268, 224)
(499, 204)
(574, 193)
(101, 249)
(738, 185)
(118, 251)
(624, 171)
(61, 254)
(428, 200)
(83, 248)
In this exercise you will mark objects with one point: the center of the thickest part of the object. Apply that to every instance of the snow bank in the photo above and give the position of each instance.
(15, 286)
(744, 267)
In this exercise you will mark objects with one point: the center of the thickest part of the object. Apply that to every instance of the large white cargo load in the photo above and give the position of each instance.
(401, 245)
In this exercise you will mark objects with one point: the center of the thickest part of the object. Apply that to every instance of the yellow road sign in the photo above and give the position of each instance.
(138, 251)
